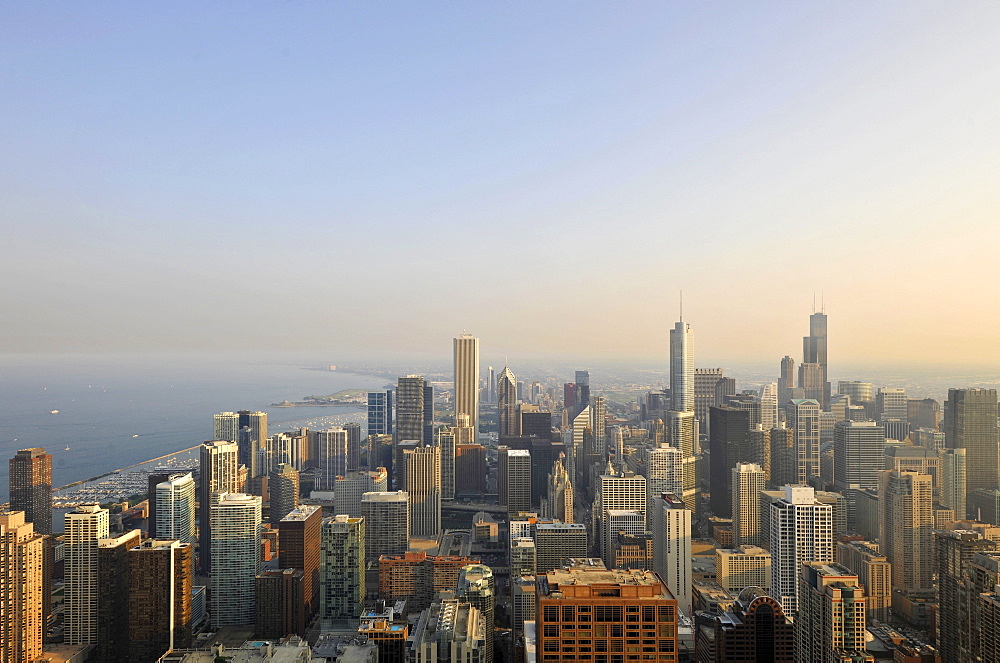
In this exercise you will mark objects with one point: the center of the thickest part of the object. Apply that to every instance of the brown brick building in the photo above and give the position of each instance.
(417, 576)
(299, 536)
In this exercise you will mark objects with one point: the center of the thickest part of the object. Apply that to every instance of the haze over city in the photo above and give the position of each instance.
(370, 179)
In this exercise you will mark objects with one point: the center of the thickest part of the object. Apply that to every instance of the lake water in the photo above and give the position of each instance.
(103, 402)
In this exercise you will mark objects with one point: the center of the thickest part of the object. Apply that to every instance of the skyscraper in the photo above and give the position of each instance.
(31, 487)
(954, 480)
(557, 542)
(331, 455)
(786, 379)
(379, 413)
(477, 587)
(800, 531)
(84, 527)
(755, 629)
(161, 574)
(387, 519)
(598, 424)
(423, 484)
(906, 525)
(858, 457)
(299, 534)
(410, 408)
(252, 434)
(514, 482)
(803, 421)
(814, 348)
(283, 487)
(970, 423)
(22, 570)
(831, 623)
(769, 406)
(509, 423)
(957, 632)
(729, 442)
(236, 528)
(466, 351)
(175, 500)
(558, 502)
(681, 368)
(219, 474)
(665, 471)
(226, 427)
(671, 527)
(747, 482)
(446, 443)
(113, 583)
(619, 492)
(342, 574)
(348, 489)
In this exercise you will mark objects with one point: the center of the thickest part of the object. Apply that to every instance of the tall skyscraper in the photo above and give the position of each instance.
(970, 423)
(954, 480)
(814, 348)
(477, 587)
(786, 380)
(252, 434)
(665, 471)
(557, 542)
(331, 455)
(410, 408)
(858, 457)
(729, 442)
(803, 421)
(236, 529)
(747, 481)
(423, 484)
(387, 523)
(906, 525)
(558, 503)
(619, 492)
(800, 531)
(755, 627)
(348, 489)
(113, 584)
(84, 528)
(874, 573)
(514, 479)
(22, 570)
(598, 424)
(299, 534)
(957, 632)
(354, 438)
(681, 368)
(859, 392)
(226, 427)
(342, 584)
(446, 443)
(161, 575)
(509, 423)
(175, 499)
(219, 474)
(891, 403)
(582, 382)
(466, 351)
(283, 487)
(671, 527)
(491, 386)
(769, 406)
(831, 623)
(379, 413)
(31, 487)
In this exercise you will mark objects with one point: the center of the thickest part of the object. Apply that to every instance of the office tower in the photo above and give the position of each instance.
(665, 471)
(682, 373)
(153, 480)
(470, 469)
(814, 348)
(446, 443)
(633, 550)
(760, 450)
(342, 575)
(706, 381)
(681, 429)
(753, 630)
(353, 445)
(874, 573)
(507, 403)
(582, 389)
(624, 492)
(389, 631)
(576, 456)
(84, 528)
(769, 406)
(522, 557)
(800, 530)
(290, 448)
(514, 482)
(387, 523)
(741, 567)
(113, 586)
(729, 444)
(569, 398)
(615, 524)
(299, 542)
(747, 480)
(953, 480)
(236, 528)
(348, 489)
(556, 542)
(858, 457)
(984, 505)
(927, 414)
(523, 598)
(417, 577)
(219, 474)
(786, 379)
(283, 487)
(252, 436)
(860, 392)
(22, 570)
(784, 460)
(476, 586)
(558, 502)
(534, 422)
(463, 431)
(280, 608)
(957, 632)
(598, 423)
(331, 455)
(890, 402)
(906, 522)
(379, 413)
(226, 427)
(970, 423)
(423, 484)
(803, 421)
(466, 352)
(491, 386)
(175, 500)
(31, 487)
(564, 595)
(159, 598)
(409, 409)
(671, 528)
(449, 630)
(428, 438)
(811, 381)
(830, 625)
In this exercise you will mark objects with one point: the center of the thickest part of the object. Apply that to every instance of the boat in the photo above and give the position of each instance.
(135, 435)
(67, 449)
(54, 412)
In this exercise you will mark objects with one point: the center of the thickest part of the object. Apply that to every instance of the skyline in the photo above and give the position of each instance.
(167, 172)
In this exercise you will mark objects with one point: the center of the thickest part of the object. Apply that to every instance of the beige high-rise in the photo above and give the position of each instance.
(84, 527)
(466, 349)
(423, 483)
(21, 582)
(906, 526)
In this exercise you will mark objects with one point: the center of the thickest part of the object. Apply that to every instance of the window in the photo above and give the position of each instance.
(608, 613)
(551, 613)
(551, 631)
(569, 613)
(666, 613)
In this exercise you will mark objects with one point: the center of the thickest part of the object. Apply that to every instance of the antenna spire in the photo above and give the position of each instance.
(822, 301)
(814, 301)
(682, 306)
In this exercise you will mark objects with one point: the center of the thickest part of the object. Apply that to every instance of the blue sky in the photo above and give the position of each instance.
(379, 176)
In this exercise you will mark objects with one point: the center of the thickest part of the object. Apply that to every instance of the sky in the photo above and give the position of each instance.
(374, 178)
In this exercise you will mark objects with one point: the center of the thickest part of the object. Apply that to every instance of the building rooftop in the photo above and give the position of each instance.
(553, 580)
(301, 512)
(394, 496)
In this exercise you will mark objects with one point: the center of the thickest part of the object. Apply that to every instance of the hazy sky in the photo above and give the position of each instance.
(363, 177)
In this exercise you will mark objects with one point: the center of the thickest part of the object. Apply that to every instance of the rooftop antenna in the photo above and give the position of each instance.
(682, 306)
(814, 301)
(822, 301)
